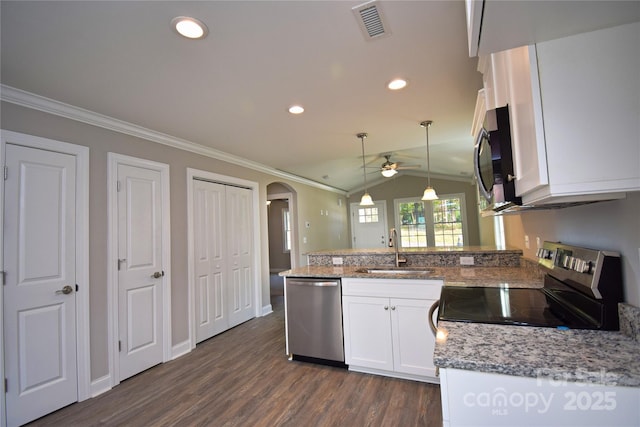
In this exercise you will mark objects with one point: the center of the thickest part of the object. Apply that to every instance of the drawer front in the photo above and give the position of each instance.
(393, 288)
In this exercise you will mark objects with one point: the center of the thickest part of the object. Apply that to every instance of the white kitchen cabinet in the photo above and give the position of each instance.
(574, 105)
(498, 25)
(488, 399)
(386, 328)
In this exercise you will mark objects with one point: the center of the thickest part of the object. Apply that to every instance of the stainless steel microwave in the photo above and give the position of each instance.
(493, 161)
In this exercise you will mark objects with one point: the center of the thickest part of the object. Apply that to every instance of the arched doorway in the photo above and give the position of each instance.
(283, 242)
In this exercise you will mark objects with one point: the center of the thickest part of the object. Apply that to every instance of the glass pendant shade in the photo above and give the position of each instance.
(388, 173)
(366, 200)
(429, 194)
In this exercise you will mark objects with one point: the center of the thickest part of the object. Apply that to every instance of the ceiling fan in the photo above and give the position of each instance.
(389, 168)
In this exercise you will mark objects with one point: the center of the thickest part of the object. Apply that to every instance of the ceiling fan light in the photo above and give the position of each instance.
(429, 194)
(397, 84)
(388, 173)
(366, 200)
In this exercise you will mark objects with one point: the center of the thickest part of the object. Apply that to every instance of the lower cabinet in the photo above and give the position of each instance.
(390, 335)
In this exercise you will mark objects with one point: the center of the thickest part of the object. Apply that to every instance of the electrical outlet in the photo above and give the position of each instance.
(466, 260)
(336, 260)
(526, 241)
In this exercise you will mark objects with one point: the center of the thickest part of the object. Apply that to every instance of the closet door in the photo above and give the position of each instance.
(240, 254)
(210, 259)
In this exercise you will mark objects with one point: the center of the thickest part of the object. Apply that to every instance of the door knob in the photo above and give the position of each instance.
(158, 274)
(66, 290)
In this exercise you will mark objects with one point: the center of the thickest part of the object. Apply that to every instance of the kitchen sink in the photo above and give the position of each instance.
(395, 270)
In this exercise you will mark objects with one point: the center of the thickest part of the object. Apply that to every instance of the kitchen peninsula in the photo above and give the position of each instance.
(586, 376)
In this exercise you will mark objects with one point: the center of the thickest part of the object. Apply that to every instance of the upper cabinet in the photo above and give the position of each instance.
(497, 25)
(574, 107)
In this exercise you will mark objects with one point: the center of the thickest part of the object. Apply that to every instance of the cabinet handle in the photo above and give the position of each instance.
(393, 307)
(386, 307)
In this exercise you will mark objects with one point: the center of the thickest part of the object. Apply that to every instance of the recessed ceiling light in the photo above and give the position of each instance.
(191, 28)
(296, 109)
(397, 84)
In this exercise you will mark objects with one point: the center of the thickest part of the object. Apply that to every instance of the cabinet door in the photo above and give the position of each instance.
(525, 110)
(367, 332)
(413, 341)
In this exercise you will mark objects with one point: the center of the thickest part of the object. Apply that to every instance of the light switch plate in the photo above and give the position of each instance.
(336, 260)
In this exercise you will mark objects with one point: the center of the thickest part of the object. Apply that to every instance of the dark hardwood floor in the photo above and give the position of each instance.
(243, 378)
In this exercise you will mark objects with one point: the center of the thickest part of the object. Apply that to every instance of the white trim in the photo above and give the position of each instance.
(83, 332)
(113, 160)
(267, 309)
(101, 385)
(57, 108)
(181, 349)
(254, 187)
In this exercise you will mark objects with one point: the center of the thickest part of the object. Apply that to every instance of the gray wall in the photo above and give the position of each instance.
(326, 231)
(611, 225)
(402, 186)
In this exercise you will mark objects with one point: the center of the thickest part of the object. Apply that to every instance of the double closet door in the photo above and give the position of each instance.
(223, 254)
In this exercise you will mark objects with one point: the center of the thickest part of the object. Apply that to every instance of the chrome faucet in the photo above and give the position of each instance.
(393, 242)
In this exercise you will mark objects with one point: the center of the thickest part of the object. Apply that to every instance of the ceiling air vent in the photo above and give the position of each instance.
(371, 21)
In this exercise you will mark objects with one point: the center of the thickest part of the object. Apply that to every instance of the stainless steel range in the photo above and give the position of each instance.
(582, 289)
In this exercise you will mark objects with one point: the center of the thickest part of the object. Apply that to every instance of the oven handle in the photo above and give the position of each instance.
(432, 310)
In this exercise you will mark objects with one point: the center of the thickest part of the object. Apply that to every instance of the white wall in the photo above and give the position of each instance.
(611, 225)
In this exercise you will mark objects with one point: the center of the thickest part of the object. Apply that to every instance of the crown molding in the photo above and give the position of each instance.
(47, 105)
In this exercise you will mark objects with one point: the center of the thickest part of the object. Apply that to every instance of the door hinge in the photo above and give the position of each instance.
(6, 386)
(119, 345)
(4, 277)
(118, 186)
(6, 173)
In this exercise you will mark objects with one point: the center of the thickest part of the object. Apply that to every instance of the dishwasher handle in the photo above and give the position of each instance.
(311, 283)
(433, 308)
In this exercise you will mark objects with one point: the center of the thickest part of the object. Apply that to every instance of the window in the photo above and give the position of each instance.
(447, 222)
(367, 215)
(413, 228)
(436, 223)
(286, 230)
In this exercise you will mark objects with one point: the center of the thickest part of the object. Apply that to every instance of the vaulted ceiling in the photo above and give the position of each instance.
(231, 90)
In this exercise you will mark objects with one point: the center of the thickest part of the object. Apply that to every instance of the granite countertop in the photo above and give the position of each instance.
(514, 277)
(598, 357)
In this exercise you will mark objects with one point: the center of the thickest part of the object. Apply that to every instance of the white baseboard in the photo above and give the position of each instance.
(267, 309)
(180, 349)
(101, 385)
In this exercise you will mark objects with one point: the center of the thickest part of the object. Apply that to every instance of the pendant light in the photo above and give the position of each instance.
(429, 192)
(366, 198)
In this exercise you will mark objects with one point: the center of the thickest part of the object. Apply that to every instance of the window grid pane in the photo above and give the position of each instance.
(367, 215)
(447, 222)
(413, 229)
(286, 229)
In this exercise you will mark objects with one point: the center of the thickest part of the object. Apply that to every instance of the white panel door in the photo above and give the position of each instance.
(240, 250)
(39, 250)
(140, 275)
(210, 259)
(369, 226)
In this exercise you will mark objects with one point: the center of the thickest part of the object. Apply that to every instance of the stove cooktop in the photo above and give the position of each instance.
(507, 306)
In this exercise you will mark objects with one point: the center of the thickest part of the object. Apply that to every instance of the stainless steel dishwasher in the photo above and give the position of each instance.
(314, 319)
